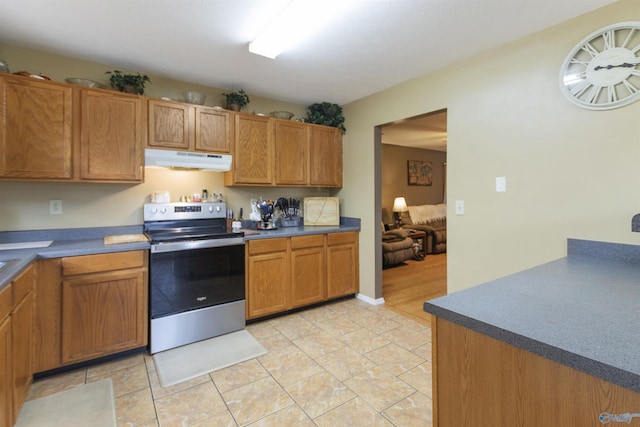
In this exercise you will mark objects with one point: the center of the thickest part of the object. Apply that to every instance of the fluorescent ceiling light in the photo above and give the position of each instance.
(299, 20)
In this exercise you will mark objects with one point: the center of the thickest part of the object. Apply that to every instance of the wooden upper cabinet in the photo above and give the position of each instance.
(112, 136)
(186, 127)
(325, 156)
(291, 152)
(213, 130)
(253, 151)
(170, 125)
(35, 129)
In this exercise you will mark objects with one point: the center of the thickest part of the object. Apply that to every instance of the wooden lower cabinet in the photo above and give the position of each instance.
(6, 407)
(16, 345)
(342, 264)
(267, 277)
(6, 366)
(90, 306)
(102, 314)
(307, 270)
(291, 272)
(22, 348)
(481, 381)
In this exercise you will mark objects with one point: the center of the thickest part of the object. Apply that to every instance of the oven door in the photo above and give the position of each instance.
(184, 280)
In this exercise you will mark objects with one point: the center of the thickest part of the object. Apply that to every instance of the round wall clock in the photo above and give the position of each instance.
(603, 70)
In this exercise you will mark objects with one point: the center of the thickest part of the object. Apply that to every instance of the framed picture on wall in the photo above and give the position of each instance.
(419, 172)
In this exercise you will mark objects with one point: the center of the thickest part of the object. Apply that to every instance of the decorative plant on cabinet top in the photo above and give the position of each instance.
(327, 114)
(128, 83)
(237, 100)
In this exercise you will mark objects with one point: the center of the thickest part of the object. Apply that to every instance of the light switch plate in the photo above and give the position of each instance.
(501, 184)
(459, 207)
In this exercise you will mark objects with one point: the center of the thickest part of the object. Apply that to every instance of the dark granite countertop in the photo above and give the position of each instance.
(87, 241)
(582, 311)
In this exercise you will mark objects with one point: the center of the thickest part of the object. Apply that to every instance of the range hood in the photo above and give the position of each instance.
(187, 160)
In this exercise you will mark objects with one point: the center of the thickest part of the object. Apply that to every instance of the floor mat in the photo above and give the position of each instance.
(189, 361)
(86, 405)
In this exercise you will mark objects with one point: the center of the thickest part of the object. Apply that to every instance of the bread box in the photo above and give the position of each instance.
(321, 211)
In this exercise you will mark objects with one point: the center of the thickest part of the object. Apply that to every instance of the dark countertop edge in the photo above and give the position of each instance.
(580, 363)
(603, 250)
(346, 224)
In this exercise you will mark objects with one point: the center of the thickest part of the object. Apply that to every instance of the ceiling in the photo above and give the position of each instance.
(369, 47)
(428, 132)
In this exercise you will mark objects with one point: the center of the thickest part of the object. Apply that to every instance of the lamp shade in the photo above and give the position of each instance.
(399, 204)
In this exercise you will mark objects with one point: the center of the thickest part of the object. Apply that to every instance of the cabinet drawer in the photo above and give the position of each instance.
(267, 245)
(300, 242)
(6, 302)
(102, 262)
(341, 238)
(22, 285)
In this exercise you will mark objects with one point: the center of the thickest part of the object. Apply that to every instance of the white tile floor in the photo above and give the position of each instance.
(342, 364)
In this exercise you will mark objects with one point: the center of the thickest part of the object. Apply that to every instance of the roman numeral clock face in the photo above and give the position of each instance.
(603, 70)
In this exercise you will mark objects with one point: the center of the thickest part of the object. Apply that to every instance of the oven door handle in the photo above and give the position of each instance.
(189, 245)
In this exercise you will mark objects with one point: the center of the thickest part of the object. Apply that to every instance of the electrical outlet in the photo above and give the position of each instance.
(459, 207)
(55, 207)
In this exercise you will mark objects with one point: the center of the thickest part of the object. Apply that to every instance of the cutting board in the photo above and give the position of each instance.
(125, 238)
(321, 211)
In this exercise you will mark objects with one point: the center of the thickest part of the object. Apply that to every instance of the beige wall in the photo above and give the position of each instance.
(25, 205)
(571, 172)
(394, 179)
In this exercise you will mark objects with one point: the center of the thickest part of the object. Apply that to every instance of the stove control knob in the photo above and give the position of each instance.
(154, 210)
(218, 209)
(210, 208)
(163, 210)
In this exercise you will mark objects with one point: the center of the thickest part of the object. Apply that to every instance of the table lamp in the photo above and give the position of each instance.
(399, 206)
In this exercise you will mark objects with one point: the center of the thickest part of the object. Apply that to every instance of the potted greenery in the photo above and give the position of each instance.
(325, 113)
(237, 100)
(129, 83)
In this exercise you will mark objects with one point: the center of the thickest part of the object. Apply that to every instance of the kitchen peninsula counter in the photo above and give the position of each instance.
(580, 312)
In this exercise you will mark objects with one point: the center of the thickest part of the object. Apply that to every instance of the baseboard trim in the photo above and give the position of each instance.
(369, 300)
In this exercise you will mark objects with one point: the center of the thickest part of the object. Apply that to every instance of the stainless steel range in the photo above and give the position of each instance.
(196, 273)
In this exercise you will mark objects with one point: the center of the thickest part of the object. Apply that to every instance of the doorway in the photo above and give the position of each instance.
(404, 143)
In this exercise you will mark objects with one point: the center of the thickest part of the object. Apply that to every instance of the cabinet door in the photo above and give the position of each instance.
(22, 348)
(342, 264)
(253, 160)
(6, 385)
(307, 270)
(103, 313)
(48, 315)
(325, 156)
(268, 282)
(213, 130)
(112, 136)
(35, 129)
(291, 152)
(170, 124)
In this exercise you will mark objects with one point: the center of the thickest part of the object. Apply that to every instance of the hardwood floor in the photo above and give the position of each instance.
(407, 286)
